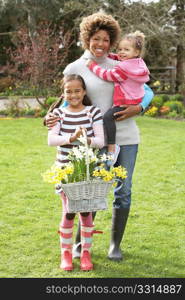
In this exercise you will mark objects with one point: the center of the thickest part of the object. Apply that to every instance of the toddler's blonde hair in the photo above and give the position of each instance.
(138, 40)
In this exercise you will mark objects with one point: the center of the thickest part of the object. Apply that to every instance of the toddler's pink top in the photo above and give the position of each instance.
(129, 77)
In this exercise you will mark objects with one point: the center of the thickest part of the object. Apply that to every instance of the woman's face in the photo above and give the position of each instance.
(99, 43)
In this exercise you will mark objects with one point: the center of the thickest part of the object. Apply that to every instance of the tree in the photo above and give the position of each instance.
(38, 56)
(37, 62)
(179, 19)
(163, 24)
(67, 13)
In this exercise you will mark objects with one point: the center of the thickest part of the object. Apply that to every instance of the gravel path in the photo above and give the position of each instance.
(23, 102)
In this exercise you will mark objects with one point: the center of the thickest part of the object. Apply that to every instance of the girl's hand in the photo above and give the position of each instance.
(77, 134)
(51, 120)
(128, 112)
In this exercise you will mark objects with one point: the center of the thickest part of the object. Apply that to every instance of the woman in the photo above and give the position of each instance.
(98, 33)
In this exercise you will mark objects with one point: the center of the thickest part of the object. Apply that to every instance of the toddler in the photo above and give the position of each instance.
(129, 77)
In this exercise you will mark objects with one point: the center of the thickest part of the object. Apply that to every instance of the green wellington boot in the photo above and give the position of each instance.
(119, 221)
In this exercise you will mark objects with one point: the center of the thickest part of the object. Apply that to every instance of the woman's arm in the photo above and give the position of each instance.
(50, 120)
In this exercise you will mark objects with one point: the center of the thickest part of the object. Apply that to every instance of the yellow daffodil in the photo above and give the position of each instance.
(76, 169)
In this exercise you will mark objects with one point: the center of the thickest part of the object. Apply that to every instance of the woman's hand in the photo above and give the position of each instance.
(128, 112)
(51, 120)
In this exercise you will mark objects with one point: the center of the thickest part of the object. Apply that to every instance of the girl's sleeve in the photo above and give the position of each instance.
(98, 140)
(54, 139)
(113, 56)
(116, 74)
(148, 96)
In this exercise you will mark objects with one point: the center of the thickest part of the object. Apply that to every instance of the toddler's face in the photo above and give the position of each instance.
(126, 50)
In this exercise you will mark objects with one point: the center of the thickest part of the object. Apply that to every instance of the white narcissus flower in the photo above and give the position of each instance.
(78, 154)
(103, 157)
(94, 159)
(82, 149)
(90, 152)
(82, 140)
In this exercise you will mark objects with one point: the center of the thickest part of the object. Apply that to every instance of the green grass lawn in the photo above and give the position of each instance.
(154, 242)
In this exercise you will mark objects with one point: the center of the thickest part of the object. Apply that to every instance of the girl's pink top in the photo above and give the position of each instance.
(129, 77)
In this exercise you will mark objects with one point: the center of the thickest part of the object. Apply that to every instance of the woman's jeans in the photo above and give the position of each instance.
(122, 192)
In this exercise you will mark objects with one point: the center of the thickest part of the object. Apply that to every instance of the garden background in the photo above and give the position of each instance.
(154, 241)
(38, 40)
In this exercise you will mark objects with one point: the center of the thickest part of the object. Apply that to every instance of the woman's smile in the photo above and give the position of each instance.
(99, 43)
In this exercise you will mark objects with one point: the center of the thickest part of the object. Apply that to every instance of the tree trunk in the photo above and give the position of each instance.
(179, 21)
(180, 78)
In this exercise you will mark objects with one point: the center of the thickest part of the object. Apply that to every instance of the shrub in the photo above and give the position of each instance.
(50, 101)
(164, 110)
(3, 112)
(6, 84)
(183, 113)
(175, 106)
(165, 97)
(172, 114)
(177, 97)
(29, 112)
(13, 107)
(42, 113)
(157, 101)
(152, 112)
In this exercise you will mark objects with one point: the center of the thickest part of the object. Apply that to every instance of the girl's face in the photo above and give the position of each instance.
(74, 93)
(99, 43)
(126, 50)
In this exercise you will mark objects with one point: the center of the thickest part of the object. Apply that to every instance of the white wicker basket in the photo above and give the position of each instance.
(87, 196)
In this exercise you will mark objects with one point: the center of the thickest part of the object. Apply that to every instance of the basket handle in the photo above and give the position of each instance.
(87, 154)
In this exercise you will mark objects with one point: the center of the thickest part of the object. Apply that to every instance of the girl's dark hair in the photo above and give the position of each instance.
(86, 101)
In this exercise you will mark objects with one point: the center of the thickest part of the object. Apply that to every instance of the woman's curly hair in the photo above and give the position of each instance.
(95, 22)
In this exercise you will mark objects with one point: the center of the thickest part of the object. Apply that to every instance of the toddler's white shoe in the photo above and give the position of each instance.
(113, 156)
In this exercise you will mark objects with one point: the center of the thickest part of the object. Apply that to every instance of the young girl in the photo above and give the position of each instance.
(129, 77)
(73, 119)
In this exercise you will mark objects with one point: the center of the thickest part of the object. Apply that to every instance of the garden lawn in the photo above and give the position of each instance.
(154, 242)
